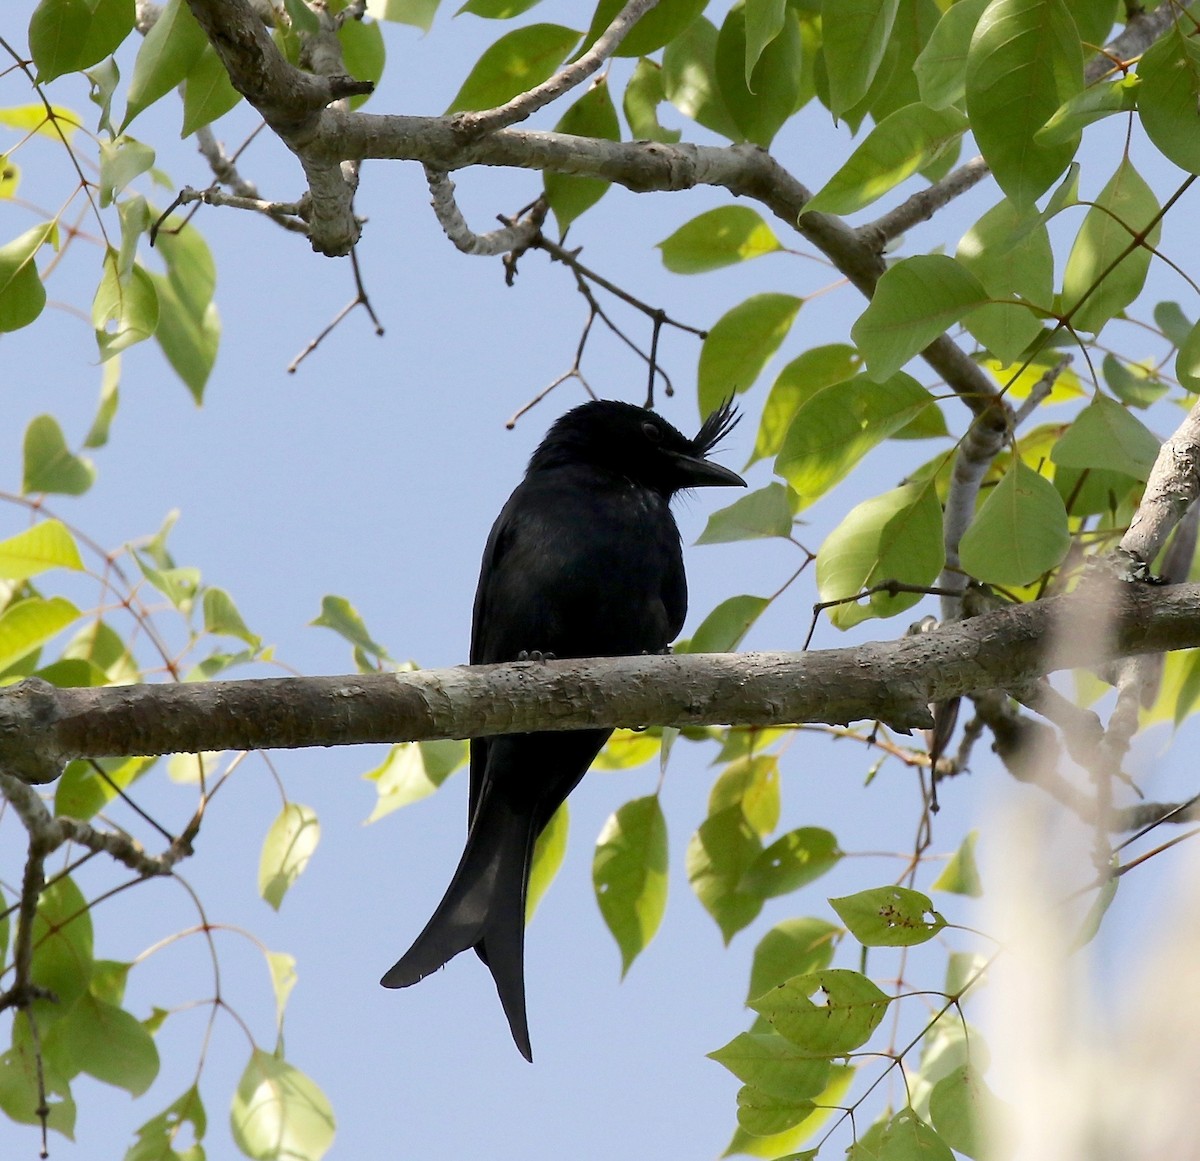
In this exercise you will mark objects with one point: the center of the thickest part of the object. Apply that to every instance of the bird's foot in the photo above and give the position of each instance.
(535, 655)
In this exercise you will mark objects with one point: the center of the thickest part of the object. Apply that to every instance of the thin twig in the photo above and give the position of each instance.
(475, 124)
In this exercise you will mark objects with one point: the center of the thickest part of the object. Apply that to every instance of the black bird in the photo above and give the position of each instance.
(583, 561)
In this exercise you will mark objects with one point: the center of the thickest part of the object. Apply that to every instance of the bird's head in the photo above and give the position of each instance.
(639, 445)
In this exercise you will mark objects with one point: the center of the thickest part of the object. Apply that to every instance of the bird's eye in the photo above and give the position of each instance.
(652, 432)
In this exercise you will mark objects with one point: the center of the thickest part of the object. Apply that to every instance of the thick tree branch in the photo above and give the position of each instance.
(41, 727)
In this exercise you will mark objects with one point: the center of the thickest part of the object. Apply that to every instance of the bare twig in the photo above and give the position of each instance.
(516, 235)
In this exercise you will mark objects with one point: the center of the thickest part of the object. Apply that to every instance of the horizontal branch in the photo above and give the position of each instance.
(41, 726)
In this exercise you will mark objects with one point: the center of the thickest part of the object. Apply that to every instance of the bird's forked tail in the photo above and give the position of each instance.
(484, 908)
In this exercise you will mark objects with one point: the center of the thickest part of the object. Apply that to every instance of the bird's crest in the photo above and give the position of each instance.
(716, 427)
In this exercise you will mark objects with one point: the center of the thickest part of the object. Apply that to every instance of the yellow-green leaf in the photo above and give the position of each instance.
(718, 238)
(895, 536)
(278, 1112)
(46, 545)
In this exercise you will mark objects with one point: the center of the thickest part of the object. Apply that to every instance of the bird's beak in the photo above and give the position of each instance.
(702, 473)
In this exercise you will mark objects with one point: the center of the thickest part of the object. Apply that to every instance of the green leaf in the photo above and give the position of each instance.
(82, 793)
(1093, 104)
(718, 238)
(661, 25)
(1173, 323)
(46, 545)
(548, 854)
(941, 66)
(765, 1114)
(750, 783)
(1089, 927)
(802, 378)
(771, 1064)
(761, 514)
(27, 1082)
(856, 34)
(190, 266)
(290, 843)
(167, 54)
(121, 161)
(914, 302)
(790, 862)
(125, 309)
(966, 1113)
(896, 536)
(158, 1136)
(1105, 435)
(836, 427)
(101, 646)
(342, 617)
(592, 115)
(889, 916)
(104, 79)
(178, 585)
(28, 624)
(643, 94)
(1187, 361)
(1125, 208)
(629, 873)
(794, 947)
(1168, 95)
(740, 343)
(901, 144)
(907, 1138)
(303, 19)
(961, 874)
(764, 20)
(850, 1010)
(189, 329)
(718, 857)
(894, 84)
(412, 771)
(418, 13)
(66, 36)
(62, 944)
(279, 1112)
(779, 1144)
(208, 93)
(1019, 533)
(1137, 384)
(517, 62)
(363, 53)
(496, 9)
(1010, 261)
(283, 979)
(690, 79)
(22, 295)
(1024, 62)
(108, 1043)
(221, 616)
(626, 749)
(723, 629)
(760, 104)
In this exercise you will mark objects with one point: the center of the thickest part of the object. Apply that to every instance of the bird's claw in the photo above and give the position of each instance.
(535, 655)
